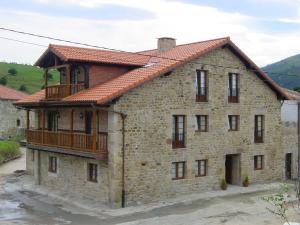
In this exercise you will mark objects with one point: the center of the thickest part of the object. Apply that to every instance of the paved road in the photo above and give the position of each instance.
(20, 206)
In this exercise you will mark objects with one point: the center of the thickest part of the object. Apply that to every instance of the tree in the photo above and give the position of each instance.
(23, 87)
(297, 89)
(3, 80)
(12, 71)
(50, 76)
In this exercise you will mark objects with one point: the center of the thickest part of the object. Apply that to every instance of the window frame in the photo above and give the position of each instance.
(199, 85)
(198, 169)
(177, 140)
(256, 166)
(231, 97)
(199, 125)
(92, 172)
(52, 164)
(259, 138)
(177, 177)
(237, 122)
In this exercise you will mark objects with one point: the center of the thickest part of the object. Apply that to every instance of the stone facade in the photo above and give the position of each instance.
(148, 136)
(149, 110)
(9, 114)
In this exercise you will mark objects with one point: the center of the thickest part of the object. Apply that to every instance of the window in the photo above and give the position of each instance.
(233, 88)
(202, 123)
(32, 155)
(178, 170)
(92, 172)
(52, 164)
(53, 117)
(233, 121)
(18, 122)
(259, 129)
(178, 132)
(200, 168)
(201, 86)
(258, 162)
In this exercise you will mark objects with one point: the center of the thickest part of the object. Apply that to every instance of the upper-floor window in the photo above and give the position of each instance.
(233, 88)
(259, 128)
(18, 122)
(200, 168)
(52, 164)
(202, 123)
(178, 170)
(258, 162)
(92, 172)
(178, 136)
(201, 86)
(53, 117)
(233, 121)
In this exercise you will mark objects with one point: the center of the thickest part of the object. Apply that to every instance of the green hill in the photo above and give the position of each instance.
(285, 72)
(30, 76)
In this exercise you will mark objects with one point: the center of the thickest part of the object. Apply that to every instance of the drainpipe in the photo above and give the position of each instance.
(123, 116)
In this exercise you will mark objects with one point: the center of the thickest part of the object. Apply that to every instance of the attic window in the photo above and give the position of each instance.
(149, 64)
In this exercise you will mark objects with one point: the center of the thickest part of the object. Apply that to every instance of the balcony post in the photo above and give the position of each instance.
(28, 119)
(72, 126)
(46, 82)
(94, 130)
(43, 124)
(68, 74)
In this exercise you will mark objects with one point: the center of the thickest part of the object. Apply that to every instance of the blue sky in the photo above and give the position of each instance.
(258, 26)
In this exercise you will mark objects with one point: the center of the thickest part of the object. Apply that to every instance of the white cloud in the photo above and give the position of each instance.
(185, 22)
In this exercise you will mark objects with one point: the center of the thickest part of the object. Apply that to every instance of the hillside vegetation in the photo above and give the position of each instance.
(286, 72)
(27, 78)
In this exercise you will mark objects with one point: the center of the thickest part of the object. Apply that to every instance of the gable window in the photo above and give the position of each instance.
(202, 123)
(200, 168)
(259, 129)
(178, 170)
(233, 121)
(92, 172)
(178, 136)
(201, 86)
(258, 162)
(52, 164)
(233, 89)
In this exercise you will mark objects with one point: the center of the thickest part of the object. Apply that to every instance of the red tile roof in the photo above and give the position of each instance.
(294, 95)
(11, 94)
(158, 64)
(70, 53)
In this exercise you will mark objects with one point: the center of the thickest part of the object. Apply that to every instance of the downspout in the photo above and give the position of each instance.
(123, 116)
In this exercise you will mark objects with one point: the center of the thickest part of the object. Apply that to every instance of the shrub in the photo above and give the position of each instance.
(297, 89)
(12, 71)
(3, 80)
(23, 87)
(9, 150)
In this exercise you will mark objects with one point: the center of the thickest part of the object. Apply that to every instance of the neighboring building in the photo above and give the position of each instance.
(129, 128)
(13, 121)
(290, 120)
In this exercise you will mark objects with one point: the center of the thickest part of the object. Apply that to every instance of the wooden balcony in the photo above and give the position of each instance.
(79, 142)
(57, 92)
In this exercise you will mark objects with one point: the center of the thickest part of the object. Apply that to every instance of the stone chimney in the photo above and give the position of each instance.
(165, 43)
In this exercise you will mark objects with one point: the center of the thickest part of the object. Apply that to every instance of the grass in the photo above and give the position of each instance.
(9, 150)
(30, 76)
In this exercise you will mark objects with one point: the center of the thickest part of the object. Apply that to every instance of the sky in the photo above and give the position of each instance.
(266, 30)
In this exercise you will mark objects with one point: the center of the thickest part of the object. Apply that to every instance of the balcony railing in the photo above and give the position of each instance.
(57, 92)
(68, 140)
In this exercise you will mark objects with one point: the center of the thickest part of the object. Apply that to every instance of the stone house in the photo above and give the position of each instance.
(130, 128)
(290, 116)
(13, 120)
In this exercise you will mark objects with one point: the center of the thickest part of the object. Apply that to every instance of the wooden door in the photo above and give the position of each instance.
(288, 166)
(228, 169)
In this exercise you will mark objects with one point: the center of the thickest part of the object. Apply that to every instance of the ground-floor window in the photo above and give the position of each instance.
(52, 164)
(258, 162)
(200, 168)
(178, 170)
(92, 172)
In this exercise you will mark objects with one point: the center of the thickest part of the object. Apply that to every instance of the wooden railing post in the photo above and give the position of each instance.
(43, 124)
(72, 126)
(94, 130)
(28, 119)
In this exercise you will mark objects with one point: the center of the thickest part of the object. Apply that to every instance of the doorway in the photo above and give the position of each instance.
(288, 166)
(232, 169)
